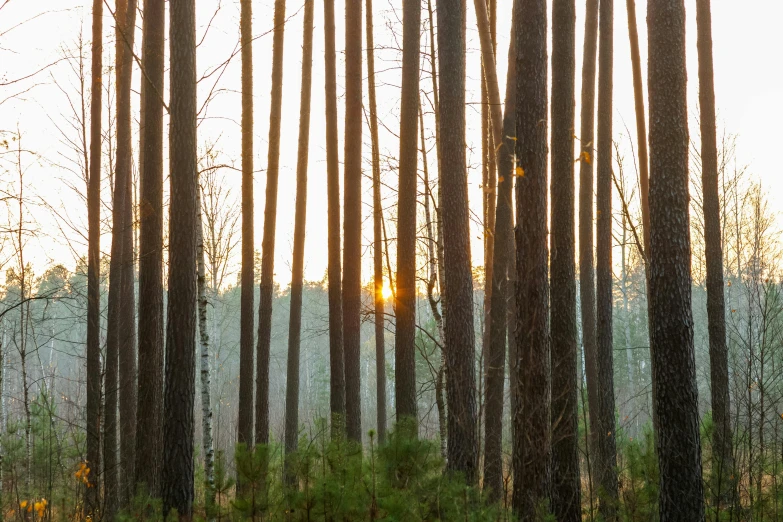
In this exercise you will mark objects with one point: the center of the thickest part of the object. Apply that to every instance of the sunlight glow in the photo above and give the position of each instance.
(386, 291)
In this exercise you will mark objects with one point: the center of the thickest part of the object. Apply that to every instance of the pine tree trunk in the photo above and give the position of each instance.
(93, 268)
(270, 226)
(124, 386)
(149, 425)
(503, 128)
(723, 462)
(405, 296)
(378, 301)
(352, 224)
(606, 463)
(458, 280)
(586, 236)
(532, 444)
(565, 497)
(247, 283)
(440, 382)
(180, 371)
(204, 369)
(334, 270)
(641, 123)
(297, 270)
(675, 401)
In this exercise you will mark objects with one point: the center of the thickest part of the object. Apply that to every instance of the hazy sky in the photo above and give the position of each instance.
(747, 81)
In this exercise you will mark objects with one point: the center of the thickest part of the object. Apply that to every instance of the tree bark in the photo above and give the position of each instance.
(532, 444)
(93, 347)
(458, 281)
(149, 425)
(180, 371)
(247, 282)
(297, 269)
(723, 462)
(675, 401)
(605, 429)
(405, 296)
(334, 270)
(586, 238)
(565, 497)
(270, 227)
(352, 224)
(378, 301)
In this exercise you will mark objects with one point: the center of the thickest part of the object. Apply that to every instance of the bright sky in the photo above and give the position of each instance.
(748, 90)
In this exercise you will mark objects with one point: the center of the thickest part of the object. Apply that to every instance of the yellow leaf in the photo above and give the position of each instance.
(23, 504)
(520, 172)
(585, 156)
(501, 179)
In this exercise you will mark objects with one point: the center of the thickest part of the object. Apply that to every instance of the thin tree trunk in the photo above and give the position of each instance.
(565, 497)
(247, 283)
(532, 444)
(498, 274)
(675, 401)
(586, 237)
(641, 123)
(93, 268)
(723, 463)
(380, 345)
(121, 381)
(458, 281)
(204, 370)
(297, 269)
(352, 224)
(149, 425)
(605, 432)
(334, 270)
(405, 297)
(270, 226)
(180, 370)
(440, 382)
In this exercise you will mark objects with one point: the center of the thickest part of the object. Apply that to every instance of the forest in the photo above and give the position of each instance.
(536, 277)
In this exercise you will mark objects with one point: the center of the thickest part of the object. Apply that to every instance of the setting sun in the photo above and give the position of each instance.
(386, 291)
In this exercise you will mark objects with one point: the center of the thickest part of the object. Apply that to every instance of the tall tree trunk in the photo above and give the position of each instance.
(180, 371)
(127, 312)
(532, 444)
(93, 268)
(458, 280)
(605, 432)
(641, 122)
(565, 497)
(352, 231)
(297, 270)
(120, 327)
(440, 382)
(503, 130)
(149, 425)
(675, 401)
(586, 237)
(378, 301)
(246, 320)
(204, 370)
(405, 296)
(270, 226)
(723, 462)
(334, 270)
